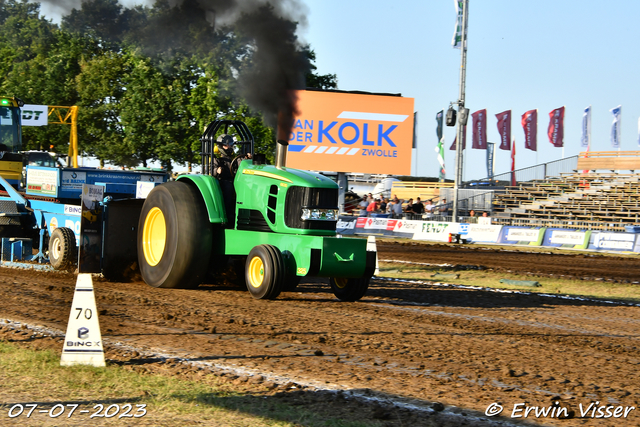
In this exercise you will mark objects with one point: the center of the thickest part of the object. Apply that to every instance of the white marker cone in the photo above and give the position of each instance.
(371, 247)
(83, 341)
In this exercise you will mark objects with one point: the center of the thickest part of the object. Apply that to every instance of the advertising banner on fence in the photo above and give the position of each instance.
(483, 233)
(558, 237)
(435, 231)
(522, 236)
(346, 225)
(406, 227)
(348, 132)
(612, 241)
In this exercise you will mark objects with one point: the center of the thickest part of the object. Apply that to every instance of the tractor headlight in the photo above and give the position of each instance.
(320, 214)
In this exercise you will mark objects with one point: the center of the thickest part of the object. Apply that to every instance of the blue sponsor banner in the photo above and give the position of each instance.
(613, 241)
(346, 225)
(521, 236)
(563, 238)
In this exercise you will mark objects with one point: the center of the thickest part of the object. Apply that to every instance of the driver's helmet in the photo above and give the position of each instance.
(227, 141)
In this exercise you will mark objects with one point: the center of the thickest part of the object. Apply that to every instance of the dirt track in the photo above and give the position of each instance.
(466, 348)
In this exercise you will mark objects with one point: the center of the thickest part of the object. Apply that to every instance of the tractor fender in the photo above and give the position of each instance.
(211, 192)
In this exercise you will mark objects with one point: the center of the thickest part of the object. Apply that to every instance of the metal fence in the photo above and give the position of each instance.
(541, 171)
(469, 199)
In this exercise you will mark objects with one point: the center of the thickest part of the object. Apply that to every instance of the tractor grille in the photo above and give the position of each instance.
(305, 197)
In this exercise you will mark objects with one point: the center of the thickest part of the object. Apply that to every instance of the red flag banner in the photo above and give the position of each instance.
(479, 135)
(556, 127)
(464, 140)
(530, 127)
(504, 129)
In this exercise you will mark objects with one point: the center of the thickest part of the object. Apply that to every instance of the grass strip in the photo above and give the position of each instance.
(484, 278)
(35, 376)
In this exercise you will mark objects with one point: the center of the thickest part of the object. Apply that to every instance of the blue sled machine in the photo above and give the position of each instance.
(40, 221)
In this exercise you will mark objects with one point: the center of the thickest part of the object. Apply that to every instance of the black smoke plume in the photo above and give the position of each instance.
(278, 61)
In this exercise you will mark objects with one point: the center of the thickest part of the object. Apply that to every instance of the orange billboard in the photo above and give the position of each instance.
(347, 132)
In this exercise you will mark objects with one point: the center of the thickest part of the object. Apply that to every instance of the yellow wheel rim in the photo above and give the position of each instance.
(154, 236)
(341, 282)
(256, 272)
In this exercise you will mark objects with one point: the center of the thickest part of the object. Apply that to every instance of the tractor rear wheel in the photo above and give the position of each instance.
(349, 289)
(63, 251)
(174, 237)
(265, 272)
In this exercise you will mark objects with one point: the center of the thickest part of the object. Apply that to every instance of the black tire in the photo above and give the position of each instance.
(180, 257)
(63, 251)
(349, 289)
(265, 273)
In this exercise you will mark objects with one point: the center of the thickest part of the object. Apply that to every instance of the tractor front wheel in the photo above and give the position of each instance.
(63, 252)
(265, 272)
(174, 237)
(349, 289)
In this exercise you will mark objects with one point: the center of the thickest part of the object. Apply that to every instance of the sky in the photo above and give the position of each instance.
(522, 55)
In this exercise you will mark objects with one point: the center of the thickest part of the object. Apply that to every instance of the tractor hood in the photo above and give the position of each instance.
(294, 177)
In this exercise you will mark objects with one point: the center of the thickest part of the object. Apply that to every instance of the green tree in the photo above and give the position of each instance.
(101, 87)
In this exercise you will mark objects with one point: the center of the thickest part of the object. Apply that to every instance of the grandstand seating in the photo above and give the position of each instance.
(598, 201)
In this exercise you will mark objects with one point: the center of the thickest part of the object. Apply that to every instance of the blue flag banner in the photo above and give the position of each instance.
(585, 141)
(615, 126)
(490, 159)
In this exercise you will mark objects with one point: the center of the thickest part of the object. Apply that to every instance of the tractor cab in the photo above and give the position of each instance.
(10, 140)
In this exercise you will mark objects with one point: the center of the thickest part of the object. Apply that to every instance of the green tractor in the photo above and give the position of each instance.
(278, 222)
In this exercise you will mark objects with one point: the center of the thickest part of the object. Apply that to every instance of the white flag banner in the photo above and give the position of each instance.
(585, 141)
(615, 126)
(440, 151)
(456, 42)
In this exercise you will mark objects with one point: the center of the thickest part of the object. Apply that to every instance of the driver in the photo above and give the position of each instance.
(225, 166)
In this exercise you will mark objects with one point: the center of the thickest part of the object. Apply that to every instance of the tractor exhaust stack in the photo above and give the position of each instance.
(282, 147)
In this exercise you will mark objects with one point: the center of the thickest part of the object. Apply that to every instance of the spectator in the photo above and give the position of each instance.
(417, 207)
(363, 206)
(409, 206)
(395, 198)
(485, 214)
(372, 208)
(472, 213)
(428, 209)
(383, 205)
(443, 208)
(397, 209)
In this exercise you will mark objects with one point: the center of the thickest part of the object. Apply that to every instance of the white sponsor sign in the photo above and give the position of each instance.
(522, 235)
(614, 241)
(73, 180)
(42, 181)
(72, 210)
(34, 115)
(143, 188)
(376, 224)
(435, 231)
(567, 237)
(484, 233)
(407, 226)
